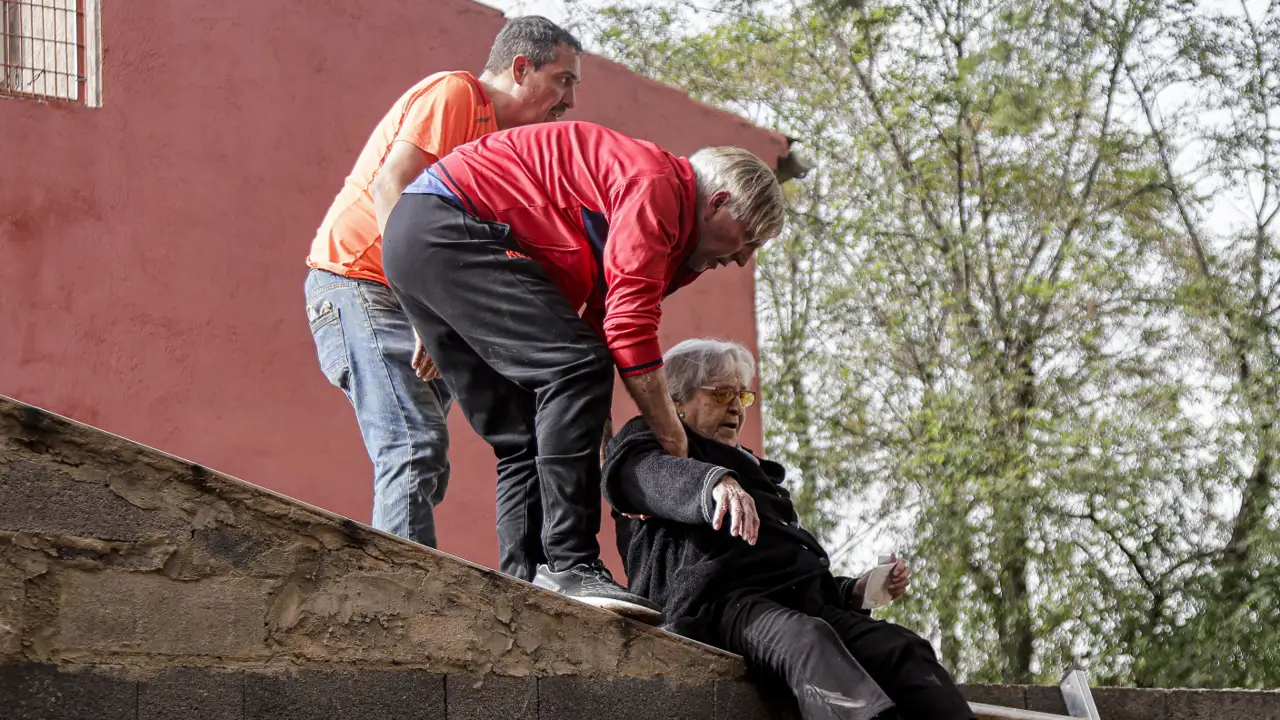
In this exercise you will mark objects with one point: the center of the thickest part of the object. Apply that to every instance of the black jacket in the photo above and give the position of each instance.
(675, 558)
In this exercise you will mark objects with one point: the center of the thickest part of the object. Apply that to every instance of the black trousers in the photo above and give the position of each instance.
(531, 377)
(840, 665)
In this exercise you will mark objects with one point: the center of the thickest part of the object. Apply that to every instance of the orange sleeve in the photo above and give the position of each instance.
(441, 117)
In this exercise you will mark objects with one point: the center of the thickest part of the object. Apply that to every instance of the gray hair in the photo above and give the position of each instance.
(700, 361)
(532, 36)
(755, 196)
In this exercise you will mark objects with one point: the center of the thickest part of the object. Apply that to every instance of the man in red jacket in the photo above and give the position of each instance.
(493, 252)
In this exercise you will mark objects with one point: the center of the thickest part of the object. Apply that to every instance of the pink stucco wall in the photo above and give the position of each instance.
(151, 281)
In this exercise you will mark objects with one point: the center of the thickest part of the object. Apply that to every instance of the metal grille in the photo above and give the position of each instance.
(43, 50)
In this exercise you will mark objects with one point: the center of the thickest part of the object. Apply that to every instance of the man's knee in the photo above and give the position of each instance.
(589, 382)
(425, 439)
(429, 463)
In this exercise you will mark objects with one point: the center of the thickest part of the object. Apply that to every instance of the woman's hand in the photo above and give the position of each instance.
(732, 500)
(899, 578)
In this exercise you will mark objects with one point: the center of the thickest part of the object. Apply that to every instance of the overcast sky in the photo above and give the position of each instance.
(553, 10)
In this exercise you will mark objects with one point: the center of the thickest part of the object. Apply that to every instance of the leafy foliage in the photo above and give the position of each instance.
(1019, 316)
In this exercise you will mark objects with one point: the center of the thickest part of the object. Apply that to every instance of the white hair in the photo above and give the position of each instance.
(703, 361)
(755, 197)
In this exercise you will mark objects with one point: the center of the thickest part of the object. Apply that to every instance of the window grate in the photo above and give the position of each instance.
(43, 50)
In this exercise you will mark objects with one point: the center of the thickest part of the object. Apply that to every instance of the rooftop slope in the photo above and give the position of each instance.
(134, 584)
(118, 556)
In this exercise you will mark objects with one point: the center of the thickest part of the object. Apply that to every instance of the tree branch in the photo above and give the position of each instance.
(1055, 267)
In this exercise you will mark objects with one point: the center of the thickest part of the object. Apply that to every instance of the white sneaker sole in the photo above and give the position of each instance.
(623, 608)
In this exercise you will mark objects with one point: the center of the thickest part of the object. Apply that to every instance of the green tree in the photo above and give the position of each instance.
(969, 320)
(1210, 104)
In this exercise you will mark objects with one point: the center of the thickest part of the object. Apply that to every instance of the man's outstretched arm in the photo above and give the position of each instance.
(649, 390)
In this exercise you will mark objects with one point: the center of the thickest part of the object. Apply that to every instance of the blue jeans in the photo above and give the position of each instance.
(365, 344)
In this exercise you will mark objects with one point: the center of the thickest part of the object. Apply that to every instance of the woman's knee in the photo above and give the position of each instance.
(816, 630)
(795, 637)
(828, 682)
(899, 646)
(917, 645)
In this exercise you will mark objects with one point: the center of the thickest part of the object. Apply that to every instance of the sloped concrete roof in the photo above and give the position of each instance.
(113, 552)
(135, 584)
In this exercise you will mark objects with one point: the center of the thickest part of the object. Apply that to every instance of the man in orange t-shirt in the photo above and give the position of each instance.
(366, 344)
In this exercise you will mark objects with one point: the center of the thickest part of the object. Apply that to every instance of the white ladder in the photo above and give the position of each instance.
(1075, 691)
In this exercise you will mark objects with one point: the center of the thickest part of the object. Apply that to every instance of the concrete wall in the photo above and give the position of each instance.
(113, 553)
(47, 692)
(34, 692)
(152, 282)
(134, 585)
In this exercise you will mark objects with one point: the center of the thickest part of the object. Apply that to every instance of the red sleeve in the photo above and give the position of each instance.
(643, 229)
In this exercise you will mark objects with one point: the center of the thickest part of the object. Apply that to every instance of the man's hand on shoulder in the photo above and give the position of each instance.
(649, 390)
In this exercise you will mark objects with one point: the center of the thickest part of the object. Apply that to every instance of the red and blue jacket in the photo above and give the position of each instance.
(610, 218)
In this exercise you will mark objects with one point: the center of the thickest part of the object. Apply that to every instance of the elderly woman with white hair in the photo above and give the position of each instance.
(714, 539)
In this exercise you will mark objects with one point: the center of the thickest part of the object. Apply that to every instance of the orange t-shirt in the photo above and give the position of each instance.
(438, 114)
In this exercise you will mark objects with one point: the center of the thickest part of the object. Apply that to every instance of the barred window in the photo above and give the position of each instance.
(51, 50)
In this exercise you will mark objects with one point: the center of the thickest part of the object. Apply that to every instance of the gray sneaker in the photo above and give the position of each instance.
(593, 585)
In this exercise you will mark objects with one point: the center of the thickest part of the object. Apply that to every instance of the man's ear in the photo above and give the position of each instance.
(718, 199)
(520, 69)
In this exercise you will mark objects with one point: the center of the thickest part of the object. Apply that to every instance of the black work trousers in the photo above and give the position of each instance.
(839, 664)
(531, 377)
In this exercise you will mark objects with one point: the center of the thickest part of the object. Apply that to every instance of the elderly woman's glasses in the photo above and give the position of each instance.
(725, 395)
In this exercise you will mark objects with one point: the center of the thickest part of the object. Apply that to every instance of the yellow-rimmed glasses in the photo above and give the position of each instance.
(725, 395)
